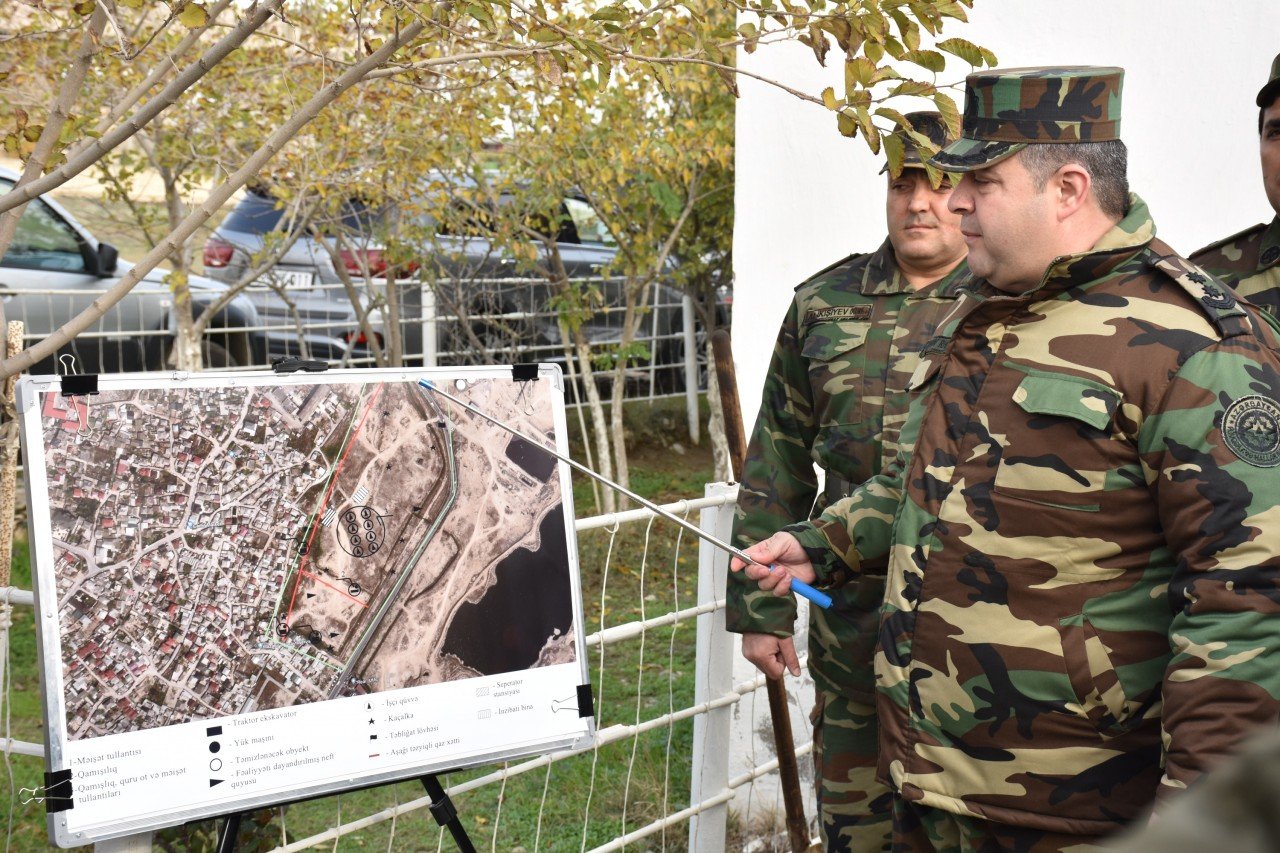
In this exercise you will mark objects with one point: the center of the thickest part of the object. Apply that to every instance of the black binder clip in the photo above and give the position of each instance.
(291, 364)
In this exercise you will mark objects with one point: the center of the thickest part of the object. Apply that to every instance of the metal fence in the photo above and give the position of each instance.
(730, 796)
(501, 320)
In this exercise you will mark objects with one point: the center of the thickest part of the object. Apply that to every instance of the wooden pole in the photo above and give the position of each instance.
(784, 744)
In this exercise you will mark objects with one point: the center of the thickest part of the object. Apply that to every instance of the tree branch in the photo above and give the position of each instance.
(68, 92)
(215, 200)
(24, 192)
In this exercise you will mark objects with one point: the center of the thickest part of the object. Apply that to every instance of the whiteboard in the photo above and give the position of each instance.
(254, 588)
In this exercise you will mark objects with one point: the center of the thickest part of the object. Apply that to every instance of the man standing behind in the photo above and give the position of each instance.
(836, 395)
(1250, 261)
(1083, 601)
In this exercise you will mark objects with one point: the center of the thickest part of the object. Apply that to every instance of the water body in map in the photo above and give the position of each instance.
(508, 627)
(535, 461)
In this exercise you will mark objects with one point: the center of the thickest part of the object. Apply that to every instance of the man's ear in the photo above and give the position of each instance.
(1074, 188)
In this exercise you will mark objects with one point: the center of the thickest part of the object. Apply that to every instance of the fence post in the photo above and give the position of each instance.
(430, 328)
(713, 678)
(691, 369)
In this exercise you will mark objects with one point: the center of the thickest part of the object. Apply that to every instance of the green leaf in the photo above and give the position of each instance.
(894, 152)
(85, 7)
(966, 50)
(874, 51)
(846, 124)
(949, 111)
(930, 59)
(869, 131)
(858, 72)
(829, 98)
(193, 15)
(912, 87)
(545, 35)
(611, 13)
(894, 116)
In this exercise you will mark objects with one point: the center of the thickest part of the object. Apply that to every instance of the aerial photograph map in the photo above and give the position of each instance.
(221, 550)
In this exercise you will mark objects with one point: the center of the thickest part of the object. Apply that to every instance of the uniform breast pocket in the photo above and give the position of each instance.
(1060, 450)
(839, 374)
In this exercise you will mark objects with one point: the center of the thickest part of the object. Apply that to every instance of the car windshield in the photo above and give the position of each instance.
(43, 241)
(259, 214)
(587, 222)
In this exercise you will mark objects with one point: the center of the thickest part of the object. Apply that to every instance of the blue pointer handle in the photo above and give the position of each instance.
(803, 590)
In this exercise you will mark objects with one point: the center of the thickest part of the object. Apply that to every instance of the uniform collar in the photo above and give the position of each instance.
(1269, 248)
(883, 277)
(1124, 241)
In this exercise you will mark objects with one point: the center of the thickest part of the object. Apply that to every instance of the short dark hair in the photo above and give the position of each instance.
(1106, 162)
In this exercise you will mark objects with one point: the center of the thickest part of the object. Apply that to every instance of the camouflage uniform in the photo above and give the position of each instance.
(835, 395)
(1084, 545)
(1249, 262)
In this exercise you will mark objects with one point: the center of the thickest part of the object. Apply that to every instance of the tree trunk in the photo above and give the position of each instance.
(187, 353)
(583, 348)
(715, 424)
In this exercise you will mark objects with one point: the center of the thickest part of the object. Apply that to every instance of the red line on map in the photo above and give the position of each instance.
(325, 500)
(334, 588)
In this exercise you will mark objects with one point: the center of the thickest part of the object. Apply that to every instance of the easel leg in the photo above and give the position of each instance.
(446, 815)
(230, 832)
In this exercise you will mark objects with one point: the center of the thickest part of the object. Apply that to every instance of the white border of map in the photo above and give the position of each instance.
(130, 782)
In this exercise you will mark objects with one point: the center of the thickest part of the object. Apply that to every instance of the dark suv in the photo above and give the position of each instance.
(485, 309)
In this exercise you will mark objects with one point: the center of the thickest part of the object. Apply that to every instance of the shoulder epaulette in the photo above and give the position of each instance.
(845, 260)
(1239, 235)
(1214, 298)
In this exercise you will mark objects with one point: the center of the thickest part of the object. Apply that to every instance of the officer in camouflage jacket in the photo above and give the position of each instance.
(1084, 542)
(835, 395)
(1250, 261)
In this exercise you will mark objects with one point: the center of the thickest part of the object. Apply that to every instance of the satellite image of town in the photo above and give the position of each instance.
(226, 550)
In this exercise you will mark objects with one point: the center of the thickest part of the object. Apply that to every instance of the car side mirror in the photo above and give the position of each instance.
(108, 259)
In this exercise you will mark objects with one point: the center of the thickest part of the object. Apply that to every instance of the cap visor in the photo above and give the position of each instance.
(1269, 93)
(906, 164)
(965, 155)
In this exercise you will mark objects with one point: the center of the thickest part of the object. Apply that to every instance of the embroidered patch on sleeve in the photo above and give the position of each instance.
(837, 313)
(1251, 430)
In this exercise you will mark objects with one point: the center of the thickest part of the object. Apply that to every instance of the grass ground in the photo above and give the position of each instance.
(644, 678)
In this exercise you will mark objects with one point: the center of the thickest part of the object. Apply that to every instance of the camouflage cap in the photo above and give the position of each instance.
(1271, 90)
(929, 123)
(1007, 109)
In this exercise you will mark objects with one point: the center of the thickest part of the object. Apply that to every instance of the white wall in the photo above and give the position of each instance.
(807, 196)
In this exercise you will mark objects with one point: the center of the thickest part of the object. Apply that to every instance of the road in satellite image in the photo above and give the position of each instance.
(226, 550)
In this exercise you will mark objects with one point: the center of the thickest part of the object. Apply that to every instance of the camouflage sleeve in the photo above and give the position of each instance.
(860, 527)
(1209, 455)
(778, 481)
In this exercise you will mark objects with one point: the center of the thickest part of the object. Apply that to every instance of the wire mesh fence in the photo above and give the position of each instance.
(378, 323)
(682, 758)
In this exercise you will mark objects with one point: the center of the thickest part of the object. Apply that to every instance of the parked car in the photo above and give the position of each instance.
(499, 311)
(55, 268)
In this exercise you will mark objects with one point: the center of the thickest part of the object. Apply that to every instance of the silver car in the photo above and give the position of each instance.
(55, 268)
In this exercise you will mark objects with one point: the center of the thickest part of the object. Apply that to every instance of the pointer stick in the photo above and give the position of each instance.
(800, 587)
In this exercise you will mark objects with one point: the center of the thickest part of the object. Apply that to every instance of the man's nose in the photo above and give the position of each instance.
(921, 198)
(960, 201)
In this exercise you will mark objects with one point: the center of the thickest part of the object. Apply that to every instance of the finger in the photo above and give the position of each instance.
(789, 656)
(782, 586)
(771, 667)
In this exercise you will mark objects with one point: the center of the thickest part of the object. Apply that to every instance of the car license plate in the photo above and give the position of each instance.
(295, 278)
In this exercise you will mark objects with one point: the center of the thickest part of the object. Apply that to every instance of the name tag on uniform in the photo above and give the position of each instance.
(840, 312)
